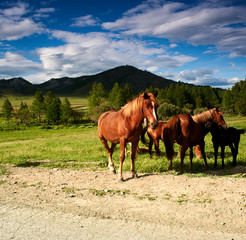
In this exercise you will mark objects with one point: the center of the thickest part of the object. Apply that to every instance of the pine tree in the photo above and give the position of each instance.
(66, 111)
(97, 95)
(23, 113)
(198, 101)
(38, 105)
(7, 110)
(240, 103)
(53, 112)
(227, 100)
(113, 95)
(128, 94)
(120, 99)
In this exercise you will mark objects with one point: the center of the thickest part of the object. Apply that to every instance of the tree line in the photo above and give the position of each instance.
(175, 99)
(47, 109)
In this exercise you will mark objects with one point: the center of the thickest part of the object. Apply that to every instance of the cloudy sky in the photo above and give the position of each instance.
(200, 42)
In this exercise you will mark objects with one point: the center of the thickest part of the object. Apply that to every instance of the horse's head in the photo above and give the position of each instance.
(149, 109)
(218, 117)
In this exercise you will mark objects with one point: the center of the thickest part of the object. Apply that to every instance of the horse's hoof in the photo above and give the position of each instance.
(134, 176)
(120, 179)
(112, 171)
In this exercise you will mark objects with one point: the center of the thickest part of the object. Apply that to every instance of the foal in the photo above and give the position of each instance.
(222, 137)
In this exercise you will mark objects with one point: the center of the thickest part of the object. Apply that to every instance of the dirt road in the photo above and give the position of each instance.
(38, 203)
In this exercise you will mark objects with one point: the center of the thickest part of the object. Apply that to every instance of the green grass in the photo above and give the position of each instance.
(16, 101)
(78, 147)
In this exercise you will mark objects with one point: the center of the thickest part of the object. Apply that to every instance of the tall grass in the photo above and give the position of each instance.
(78, 147)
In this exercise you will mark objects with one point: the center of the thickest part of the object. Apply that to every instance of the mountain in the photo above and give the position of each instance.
(137, 79)
(17, 86)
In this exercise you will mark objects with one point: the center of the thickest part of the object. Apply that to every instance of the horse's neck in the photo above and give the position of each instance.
(135, 120)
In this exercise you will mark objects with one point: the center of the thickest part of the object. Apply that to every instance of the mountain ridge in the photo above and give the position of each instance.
(137, 79)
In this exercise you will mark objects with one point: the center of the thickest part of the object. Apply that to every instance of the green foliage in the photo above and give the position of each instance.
(38, 105)
(7, 109)
(100, 103)
(66, 111)
(166, 110)
(97, 95)
(53, 109)
(234, 100)
(23, 113)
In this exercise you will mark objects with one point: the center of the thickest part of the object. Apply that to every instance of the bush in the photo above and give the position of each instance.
(167, 110)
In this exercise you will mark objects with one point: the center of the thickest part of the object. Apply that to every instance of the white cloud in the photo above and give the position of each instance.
(13, 24)
(14, 65)
(201, 76)
(204, 24)
(19, 10)
(173, 45)
(94, 52)
(85, 21)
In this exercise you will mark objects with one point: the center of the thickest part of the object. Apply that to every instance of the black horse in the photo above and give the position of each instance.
(222, 137)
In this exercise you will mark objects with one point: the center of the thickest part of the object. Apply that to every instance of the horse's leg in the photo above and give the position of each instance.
(182, 156)
(234, 154)
(157, 149)
(202, 146)
(236, 143)
(215, 154)
(191, 156)
(110, 161)
(122, 158)
(110, 153)
(222, 155)
(133, 156)
(150, 146)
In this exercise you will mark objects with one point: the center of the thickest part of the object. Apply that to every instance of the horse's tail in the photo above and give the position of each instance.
(143, 140)
(178, 128)
(168, 142)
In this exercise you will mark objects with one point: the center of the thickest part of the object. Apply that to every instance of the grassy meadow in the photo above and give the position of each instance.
(16, 101)
(78, 147)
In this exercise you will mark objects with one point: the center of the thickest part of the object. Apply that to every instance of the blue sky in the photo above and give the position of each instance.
(199, 42)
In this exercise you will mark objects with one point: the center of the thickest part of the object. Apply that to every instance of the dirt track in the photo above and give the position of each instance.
(40, 203)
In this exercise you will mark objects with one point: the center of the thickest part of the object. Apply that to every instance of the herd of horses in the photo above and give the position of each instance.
(126, 126)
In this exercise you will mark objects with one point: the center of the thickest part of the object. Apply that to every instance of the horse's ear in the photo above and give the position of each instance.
(146, 96)
(155, 93)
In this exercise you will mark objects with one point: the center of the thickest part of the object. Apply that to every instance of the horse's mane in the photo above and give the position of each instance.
(131, 107)
(136, 105)
(205, 116)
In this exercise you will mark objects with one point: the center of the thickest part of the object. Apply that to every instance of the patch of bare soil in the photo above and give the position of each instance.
(163, 206)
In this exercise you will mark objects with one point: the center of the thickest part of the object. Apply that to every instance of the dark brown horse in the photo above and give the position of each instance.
(155, 135)
(189, 131)
(125, 126)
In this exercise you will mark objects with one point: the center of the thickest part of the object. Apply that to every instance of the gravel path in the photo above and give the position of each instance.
(62, 204)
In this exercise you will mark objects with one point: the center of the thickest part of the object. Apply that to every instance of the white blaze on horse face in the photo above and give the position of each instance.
(154, 111)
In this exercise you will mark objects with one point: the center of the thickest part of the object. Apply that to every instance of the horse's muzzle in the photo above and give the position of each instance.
(154, 125)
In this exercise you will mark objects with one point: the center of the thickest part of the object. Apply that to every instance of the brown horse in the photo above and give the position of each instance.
(125, 126)
(189, 131)
(155, 135)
